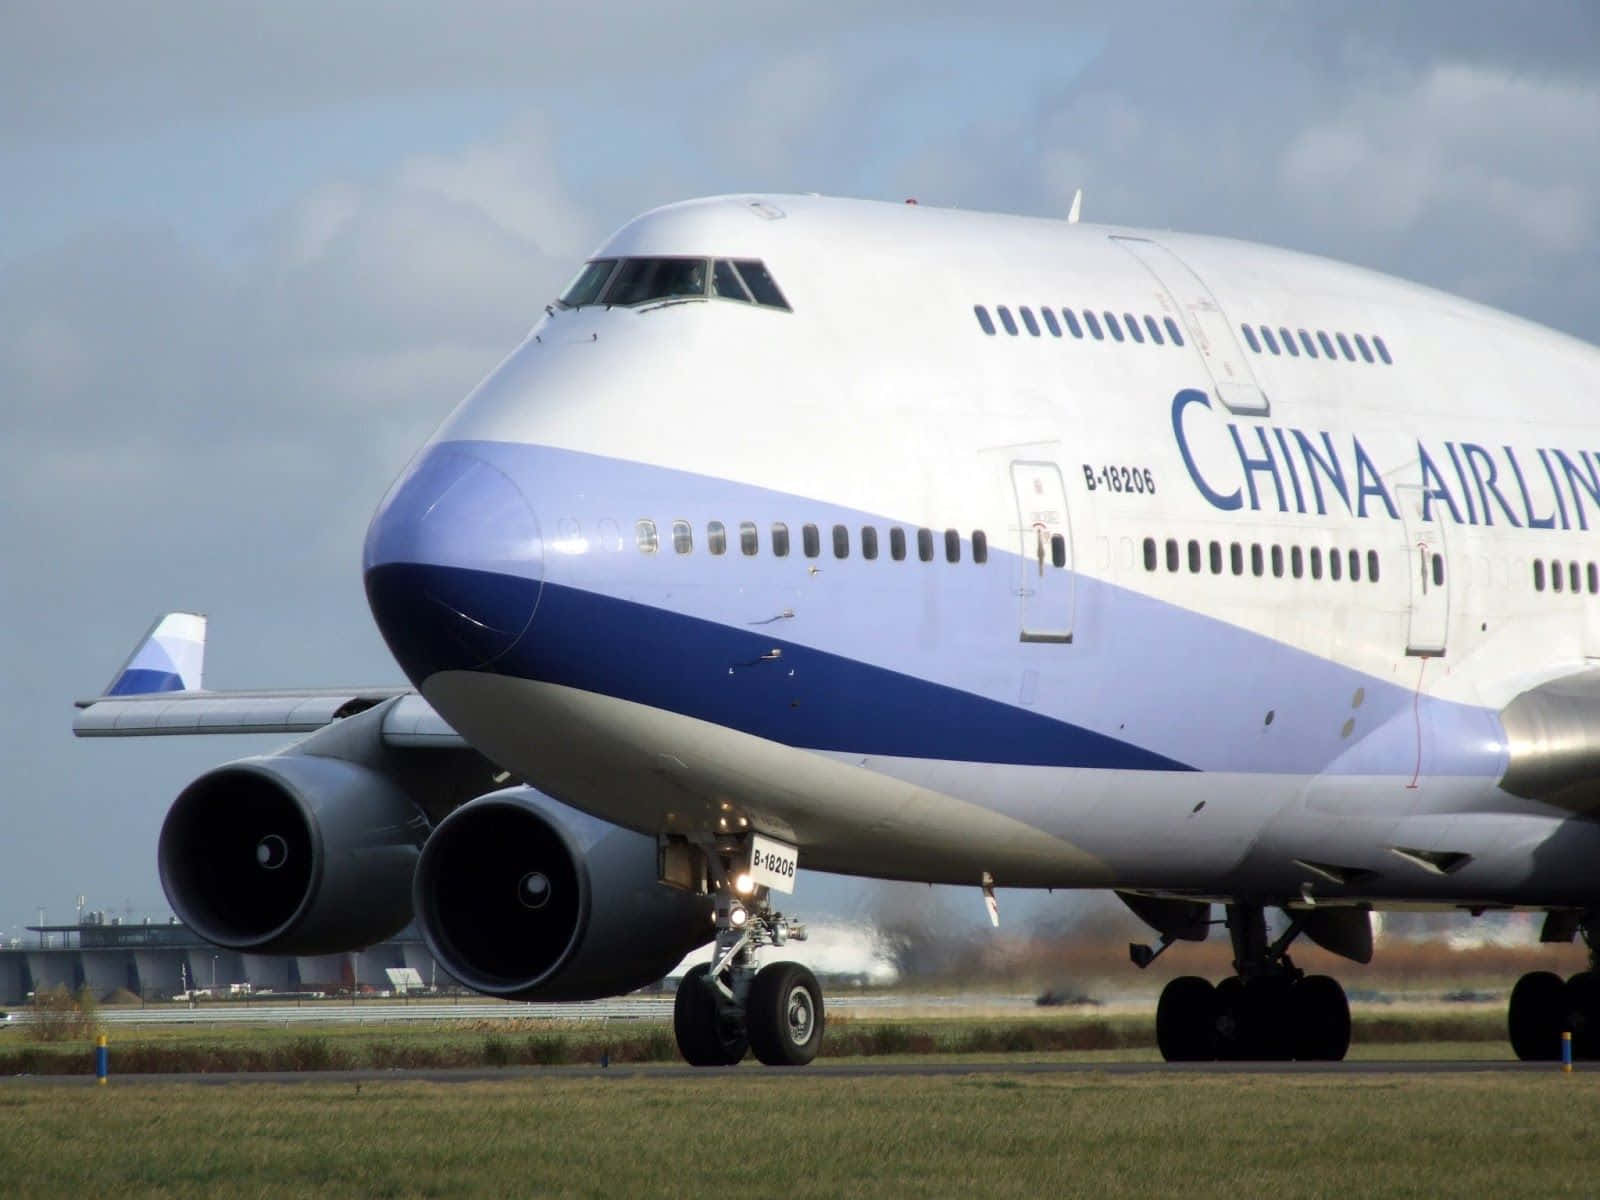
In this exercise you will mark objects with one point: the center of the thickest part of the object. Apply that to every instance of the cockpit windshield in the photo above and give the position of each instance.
(634, 281)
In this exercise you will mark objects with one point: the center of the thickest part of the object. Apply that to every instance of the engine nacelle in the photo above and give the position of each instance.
(291, 854)
(519, 896)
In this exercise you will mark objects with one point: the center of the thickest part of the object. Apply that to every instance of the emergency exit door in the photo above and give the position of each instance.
(1045, 578)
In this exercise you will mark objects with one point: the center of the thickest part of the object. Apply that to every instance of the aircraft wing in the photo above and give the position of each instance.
(159, 691)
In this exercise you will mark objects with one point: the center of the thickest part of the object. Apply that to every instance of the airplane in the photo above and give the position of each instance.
(923, 544)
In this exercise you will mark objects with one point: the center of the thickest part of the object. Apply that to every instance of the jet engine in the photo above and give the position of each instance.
(519, 896)
(291, 854)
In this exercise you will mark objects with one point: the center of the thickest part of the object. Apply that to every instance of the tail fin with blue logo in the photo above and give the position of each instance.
(171, 658)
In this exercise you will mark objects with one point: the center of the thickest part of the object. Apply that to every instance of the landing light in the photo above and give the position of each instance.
(737, 916)
(743, 884)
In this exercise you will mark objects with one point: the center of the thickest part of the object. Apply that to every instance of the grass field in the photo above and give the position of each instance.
(803, 1134)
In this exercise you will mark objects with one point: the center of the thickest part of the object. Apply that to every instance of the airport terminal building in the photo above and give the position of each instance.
(157, 962)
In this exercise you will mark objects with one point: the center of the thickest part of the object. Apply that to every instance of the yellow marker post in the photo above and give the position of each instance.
(1566, 1051)
(102, 1059)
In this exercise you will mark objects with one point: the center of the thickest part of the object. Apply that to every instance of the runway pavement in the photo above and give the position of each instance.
(854, 1069)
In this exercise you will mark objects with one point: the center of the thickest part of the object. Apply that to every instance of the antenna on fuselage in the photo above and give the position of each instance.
(1076, 210)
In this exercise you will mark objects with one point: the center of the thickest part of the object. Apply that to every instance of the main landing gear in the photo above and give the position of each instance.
(1270, 1009)
(727, 1006)
(1544, 1006)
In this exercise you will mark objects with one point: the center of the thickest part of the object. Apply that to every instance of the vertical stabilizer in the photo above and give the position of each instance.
(171, 658)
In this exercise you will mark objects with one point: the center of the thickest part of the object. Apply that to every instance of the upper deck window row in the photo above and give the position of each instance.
(1087, 323)
(627, 282)
(1262, 339)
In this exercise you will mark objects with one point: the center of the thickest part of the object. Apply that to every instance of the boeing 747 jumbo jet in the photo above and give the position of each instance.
(931, 545)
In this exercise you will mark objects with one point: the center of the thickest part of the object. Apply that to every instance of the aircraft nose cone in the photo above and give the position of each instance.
(454, 563)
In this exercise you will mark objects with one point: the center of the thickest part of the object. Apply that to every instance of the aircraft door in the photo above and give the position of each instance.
(1045, 584)
(1208, 326)
(1428, 575)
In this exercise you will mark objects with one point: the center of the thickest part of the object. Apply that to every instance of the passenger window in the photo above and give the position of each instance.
(1372, 566)
(587, 286)
(1028, 321)
(1113, 328)
(760, 282)
(1438, 570)
(1173, 331)
(1250, 338)
(1361, 345)
(682, 538)
(1272, 342)
(869, 542)
(780, 540)
(645, 534)
(1355, 566)
(1257, 564)
(1277, 562)
(952, 546)
(1555, 576)
(1216, 558)
(810, 541)
(1093, 323)
(1071, 318)
(1297, 565)
(1058, 550)
(1344, 345)
(1383, 351)
(1594, 579)
(1311, 347)
(1335, 566)
(1006, 320)
(1538, 574)
(897, 543)
(1327, 346)
(1194, 557)
(984, 323)
(748, 543)
(1151, 558)
(1133, 327)
(841, 542)
(725, 282)
(1572, 575)
(716, 537)
(1155, 330)
(980, 547)
(1288, 342)
(1316, 562)
(641, 280)
(1172, 554)
(1050, 322)
(1236, 558)
(925, 545)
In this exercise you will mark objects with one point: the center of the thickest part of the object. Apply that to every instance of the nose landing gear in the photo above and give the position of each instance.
(728, 1006)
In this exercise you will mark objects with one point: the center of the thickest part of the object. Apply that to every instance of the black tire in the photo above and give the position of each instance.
(1234, 1036)
(708, 1031)
(1268, 1002)
(784, 1015)
(1534, 1018)
(1186, 1020)
(1320, 1020)
(1583, 1015)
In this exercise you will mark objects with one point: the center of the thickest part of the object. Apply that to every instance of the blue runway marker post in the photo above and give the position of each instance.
(1566, 1051)
(102, 1059)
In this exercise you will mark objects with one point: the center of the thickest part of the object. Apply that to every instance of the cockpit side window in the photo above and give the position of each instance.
(725, 282)
(641, 280)
(760, 283)
(586, 287)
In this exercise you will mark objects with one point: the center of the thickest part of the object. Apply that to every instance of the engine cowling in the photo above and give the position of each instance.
(520, 896)
(291, 854)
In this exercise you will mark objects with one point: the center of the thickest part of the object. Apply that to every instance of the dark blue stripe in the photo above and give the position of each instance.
(140, 681)
(802, 697)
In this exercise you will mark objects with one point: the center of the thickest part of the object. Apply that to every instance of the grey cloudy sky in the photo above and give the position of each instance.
(250, 254)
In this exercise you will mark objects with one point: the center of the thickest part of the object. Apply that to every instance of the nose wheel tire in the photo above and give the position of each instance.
(784, 1015)
(706, 1025)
